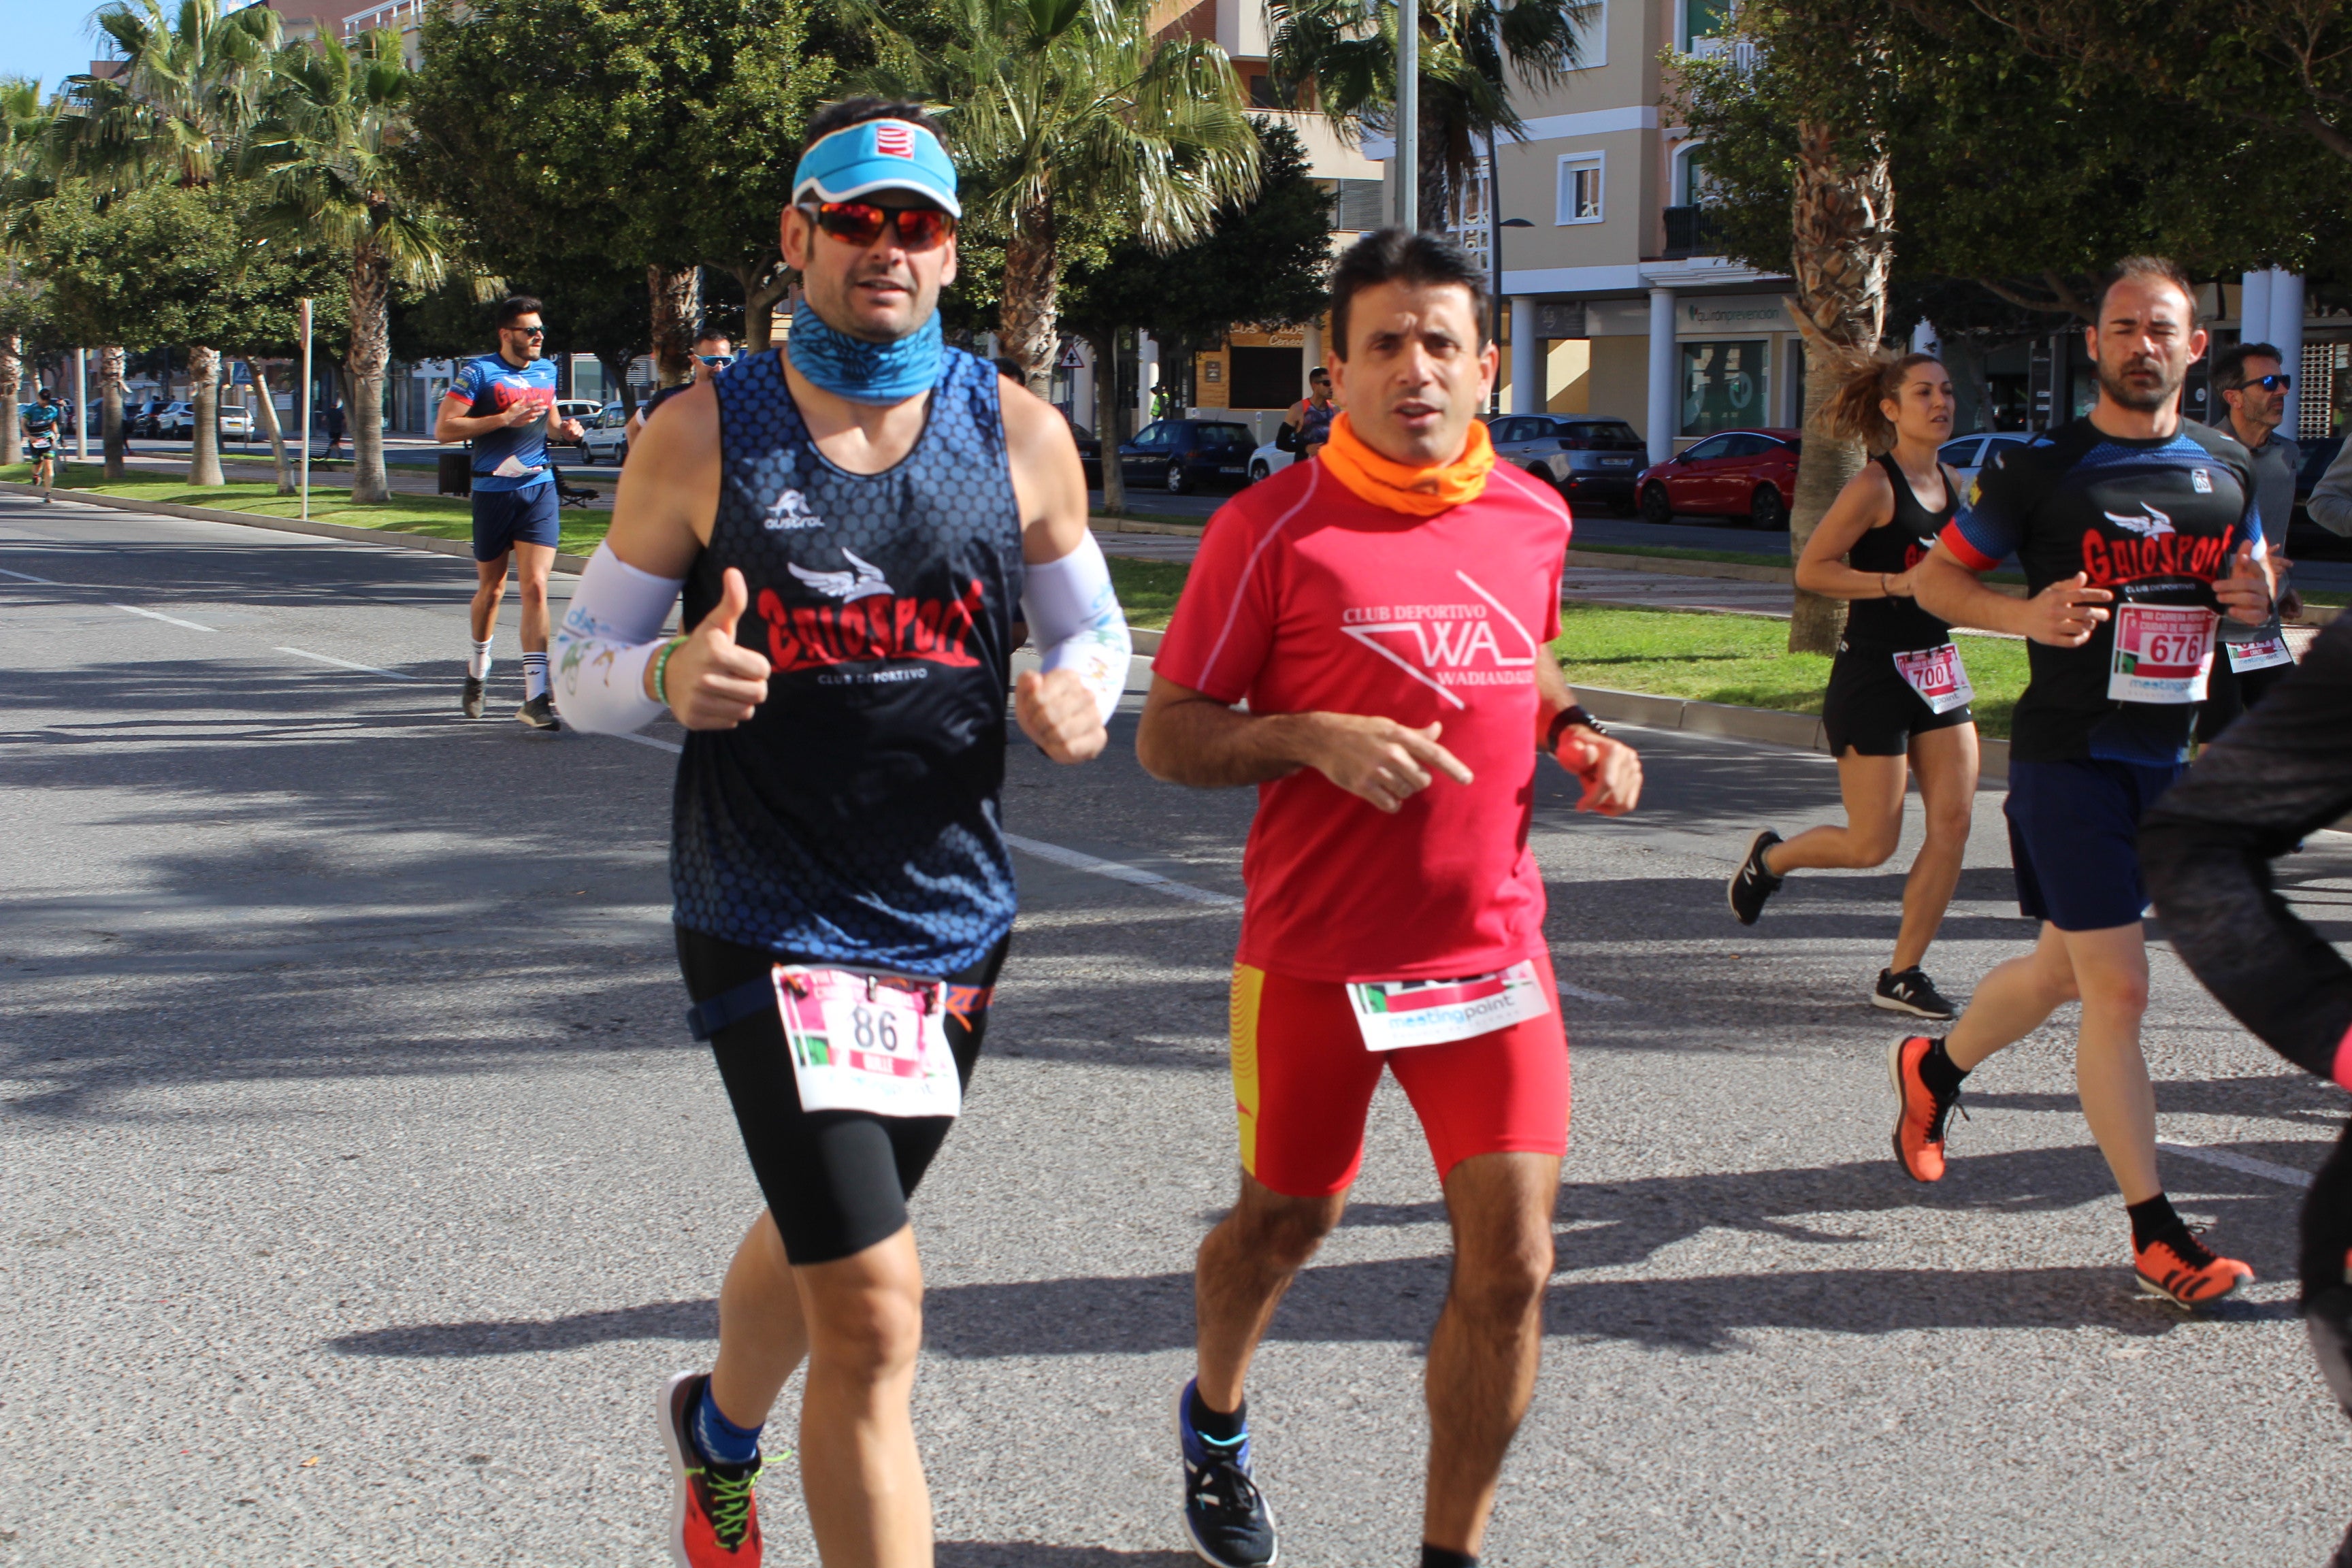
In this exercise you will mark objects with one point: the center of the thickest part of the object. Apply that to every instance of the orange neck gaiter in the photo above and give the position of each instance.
(1417, 492)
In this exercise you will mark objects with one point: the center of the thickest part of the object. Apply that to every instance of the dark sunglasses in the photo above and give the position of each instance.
(530, 331)
(862, 222)
(2271, 383)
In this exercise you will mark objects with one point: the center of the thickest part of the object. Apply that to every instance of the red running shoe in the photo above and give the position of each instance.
(2182, 1270)
(1920, 1113)
(713, 1520)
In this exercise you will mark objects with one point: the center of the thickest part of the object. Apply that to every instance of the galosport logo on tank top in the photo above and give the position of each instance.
(859, 618)
(1448, 645)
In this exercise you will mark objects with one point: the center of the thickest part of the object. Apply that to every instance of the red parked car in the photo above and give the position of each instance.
(1737, 473)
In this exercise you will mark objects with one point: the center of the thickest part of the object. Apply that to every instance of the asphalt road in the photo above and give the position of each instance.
(363, 1182)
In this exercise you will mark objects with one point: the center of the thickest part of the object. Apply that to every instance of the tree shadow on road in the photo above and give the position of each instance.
(1036, 1554)
(1611, 1226)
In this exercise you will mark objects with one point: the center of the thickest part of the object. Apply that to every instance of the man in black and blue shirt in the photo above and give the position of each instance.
(2136, 531)
(504, 403)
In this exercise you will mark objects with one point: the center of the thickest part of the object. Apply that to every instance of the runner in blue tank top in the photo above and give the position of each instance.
(853, 521)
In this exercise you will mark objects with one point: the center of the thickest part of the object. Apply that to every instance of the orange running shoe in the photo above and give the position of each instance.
(2182, 1270)
(1920, 1113)
(713, 1520)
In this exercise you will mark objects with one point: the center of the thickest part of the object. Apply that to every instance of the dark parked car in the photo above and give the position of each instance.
(1182, 454)
(2306, 540)
(1738, 473)
(142, 417)
(1089, 454)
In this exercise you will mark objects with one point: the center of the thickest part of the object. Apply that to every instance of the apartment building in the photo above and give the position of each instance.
(1615, 304)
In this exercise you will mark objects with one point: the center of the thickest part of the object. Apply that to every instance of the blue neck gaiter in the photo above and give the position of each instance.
(862, 371)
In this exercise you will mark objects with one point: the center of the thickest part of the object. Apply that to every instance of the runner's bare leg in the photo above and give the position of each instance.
(2013, 1001)
(1489, 1338)
(1871, 789)
(861, 1474)
(2110, 1072)
(532, 563)
(1245, 1266)
(1946, 763)
(761, 1335)
(490, 588)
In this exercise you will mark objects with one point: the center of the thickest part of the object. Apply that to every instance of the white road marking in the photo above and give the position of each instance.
(28, 577)
(1134, 876)
(160, 615)
(670, 746)
(2244, 1164)
(345, 663)
(1581, 995)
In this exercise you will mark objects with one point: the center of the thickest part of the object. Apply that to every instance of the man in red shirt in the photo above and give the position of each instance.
(1384, 610)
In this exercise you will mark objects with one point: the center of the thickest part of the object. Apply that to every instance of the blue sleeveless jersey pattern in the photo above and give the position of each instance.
(854, 819)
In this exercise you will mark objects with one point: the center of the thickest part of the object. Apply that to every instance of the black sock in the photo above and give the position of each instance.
(1940, 1073)
(2153, 1220)
(1440, 1557)
(1216, 1425)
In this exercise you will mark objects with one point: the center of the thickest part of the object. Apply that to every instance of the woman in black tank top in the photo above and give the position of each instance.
(1897, 696)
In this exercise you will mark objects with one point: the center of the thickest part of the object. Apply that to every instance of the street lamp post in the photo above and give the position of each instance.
(1407, 114)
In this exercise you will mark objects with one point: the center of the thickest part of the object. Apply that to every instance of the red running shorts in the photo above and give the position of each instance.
(1302, 1080)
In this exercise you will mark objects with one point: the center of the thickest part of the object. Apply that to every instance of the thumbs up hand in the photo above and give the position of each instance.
(710, 681)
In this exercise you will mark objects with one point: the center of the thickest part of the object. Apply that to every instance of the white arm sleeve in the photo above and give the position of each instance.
(1073, 618)
(613, 628)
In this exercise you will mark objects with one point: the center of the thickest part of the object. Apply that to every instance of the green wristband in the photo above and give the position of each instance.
(661, 669)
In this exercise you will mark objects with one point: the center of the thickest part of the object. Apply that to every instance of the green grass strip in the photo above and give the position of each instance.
(437, 517)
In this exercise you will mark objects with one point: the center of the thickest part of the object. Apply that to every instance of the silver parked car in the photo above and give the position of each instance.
(235, 421)
(1967, 454)
(606, 436)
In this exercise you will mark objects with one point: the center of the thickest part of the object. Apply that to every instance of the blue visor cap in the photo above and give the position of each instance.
(878, 156)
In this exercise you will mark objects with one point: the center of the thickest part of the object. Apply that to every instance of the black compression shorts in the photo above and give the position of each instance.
(836, 1181)
(1870, 707)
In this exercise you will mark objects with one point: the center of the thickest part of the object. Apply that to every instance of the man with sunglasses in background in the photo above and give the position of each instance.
(713, 351)
(504, 402)
(2251, 385)
(852, 519)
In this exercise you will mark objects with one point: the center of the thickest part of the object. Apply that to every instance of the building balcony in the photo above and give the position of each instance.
(1689, 232)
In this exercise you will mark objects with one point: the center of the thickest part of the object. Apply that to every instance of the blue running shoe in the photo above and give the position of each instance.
(1227, 1519)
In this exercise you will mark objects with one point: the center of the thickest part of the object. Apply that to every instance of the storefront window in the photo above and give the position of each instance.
(1723, 386)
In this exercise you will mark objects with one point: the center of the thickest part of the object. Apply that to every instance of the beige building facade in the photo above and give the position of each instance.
(1616, 305)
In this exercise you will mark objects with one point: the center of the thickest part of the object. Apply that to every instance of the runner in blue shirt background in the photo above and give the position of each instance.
(504, 402)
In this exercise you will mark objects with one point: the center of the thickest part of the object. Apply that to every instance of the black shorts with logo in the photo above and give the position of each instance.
(1871, 708)
(836, 1181)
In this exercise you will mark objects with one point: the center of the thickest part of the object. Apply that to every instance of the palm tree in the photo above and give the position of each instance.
(176, 111)
(23, 123)
(326, 147)
(1069, 111)
(1345, 51)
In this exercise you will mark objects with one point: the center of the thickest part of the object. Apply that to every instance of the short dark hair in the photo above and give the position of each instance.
(2147, 270)
(515, 306)
(849, 111)
(2230, 364)
(707, 333)
(1320, 373)
(1393, 256)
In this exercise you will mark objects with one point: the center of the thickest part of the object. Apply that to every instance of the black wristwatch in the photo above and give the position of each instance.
(1573, 713)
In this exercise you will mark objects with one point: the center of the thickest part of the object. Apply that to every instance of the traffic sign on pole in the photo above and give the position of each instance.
(305, 313)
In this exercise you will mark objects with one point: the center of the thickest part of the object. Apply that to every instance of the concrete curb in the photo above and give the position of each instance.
(1799, 732)
(395, 538)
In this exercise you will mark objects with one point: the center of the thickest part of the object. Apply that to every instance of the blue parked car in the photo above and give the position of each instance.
(1181, 455)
